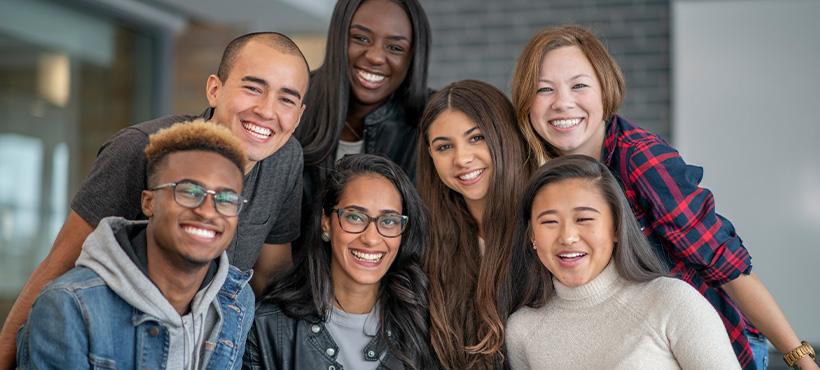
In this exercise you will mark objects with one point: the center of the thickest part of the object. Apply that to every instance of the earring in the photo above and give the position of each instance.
(533, 246)
(325, 236)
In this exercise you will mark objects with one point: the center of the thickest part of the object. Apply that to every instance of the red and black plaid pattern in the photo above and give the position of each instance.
(678, 217)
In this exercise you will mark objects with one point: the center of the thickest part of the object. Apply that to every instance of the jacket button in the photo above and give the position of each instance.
(315, 328)
(330, 352)
(154, 331)
(371, 354)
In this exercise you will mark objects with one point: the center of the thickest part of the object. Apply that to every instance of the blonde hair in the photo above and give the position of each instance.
(193, 135)
(525, 77)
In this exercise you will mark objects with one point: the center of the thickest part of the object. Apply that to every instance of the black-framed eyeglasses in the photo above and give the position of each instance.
(191, 195)
(388, 225)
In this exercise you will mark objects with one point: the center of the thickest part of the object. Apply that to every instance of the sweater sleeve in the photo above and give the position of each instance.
(696, 335)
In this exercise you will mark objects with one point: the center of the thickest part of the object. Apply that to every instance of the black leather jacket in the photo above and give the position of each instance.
(279, 342)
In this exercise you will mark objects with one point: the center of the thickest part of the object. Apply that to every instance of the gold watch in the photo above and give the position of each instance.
(798, 353)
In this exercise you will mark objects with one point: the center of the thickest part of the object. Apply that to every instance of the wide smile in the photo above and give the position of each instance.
(200, 233)
(571, 256)
(371, 257)
(259, 132)
(565, 123)
(471, 177)
(370, 80)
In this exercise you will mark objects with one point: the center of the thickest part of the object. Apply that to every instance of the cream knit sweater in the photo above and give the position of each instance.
(610, 323)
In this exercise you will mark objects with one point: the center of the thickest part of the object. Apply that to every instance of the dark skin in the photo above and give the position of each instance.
(380, 41)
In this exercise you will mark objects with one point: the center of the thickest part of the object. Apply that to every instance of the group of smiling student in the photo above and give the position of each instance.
(461, 230)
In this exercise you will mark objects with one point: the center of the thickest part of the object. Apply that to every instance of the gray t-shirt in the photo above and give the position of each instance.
(353, 332)
(273, 188)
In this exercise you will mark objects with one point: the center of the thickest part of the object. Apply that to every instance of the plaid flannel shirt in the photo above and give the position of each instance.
(678, 218)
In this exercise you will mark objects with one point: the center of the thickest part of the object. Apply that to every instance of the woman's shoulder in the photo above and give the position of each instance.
(671, 295)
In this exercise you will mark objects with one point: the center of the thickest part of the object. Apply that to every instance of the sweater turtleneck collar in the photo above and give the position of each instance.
(591, 293)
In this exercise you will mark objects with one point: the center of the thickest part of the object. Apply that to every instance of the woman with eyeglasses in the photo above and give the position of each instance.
(357, 296)
(472, 166)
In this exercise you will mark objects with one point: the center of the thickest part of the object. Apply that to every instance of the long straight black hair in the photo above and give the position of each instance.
(635, 260)
(329, 93)
(307, 288)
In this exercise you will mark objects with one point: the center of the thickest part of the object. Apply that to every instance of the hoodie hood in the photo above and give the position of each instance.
(105, 256)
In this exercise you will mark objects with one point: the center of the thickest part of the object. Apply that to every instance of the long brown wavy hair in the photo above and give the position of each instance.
(467, 327)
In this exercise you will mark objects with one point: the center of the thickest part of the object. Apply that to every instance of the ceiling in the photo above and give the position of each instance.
(287, 16)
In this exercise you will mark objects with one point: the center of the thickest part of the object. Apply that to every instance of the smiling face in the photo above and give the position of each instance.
(362, 259)
(182, 236)
(261, 99)
(379, 49)
(461, 156)
(568, 107)
(573, 230)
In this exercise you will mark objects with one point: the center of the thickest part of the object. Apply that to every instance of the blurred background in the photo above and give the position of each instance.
(730, 83)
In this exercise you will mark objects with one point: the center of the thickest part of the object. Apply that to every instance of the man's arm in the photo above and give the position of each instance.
(64, 253)
(758, 305)
(271, 259)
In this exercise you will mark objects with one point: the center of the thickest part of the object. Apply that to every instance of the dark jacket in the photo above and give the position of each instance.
(386, 133)
(279, 342)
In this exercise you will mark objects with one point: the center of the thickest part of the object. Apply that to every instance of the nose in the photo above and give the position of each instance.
(375, 54)
(207, 210)
(265, 107)
(370, 236)
(569, 234)
(463, 156)
(563, 100)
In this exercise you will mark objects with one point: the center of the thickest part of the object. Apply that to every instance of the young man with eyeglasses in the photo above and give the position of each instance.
(257, 93)
(158, 293)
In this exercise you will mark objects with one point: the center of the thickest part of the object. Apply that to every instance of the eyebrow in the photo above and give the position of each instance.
(571, 78)
(368, 30)
(582, 208)
(466, 133)
(365, 210)
(263, 82)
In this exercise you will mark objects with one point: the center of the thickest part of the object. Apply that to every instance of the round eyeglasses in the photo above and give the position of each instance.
(190, 195)
(355, 222)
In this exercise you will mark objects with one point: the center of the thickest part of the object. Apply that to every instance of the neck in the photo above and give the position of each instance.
(249, 167)
(359, 299)
(178, 285)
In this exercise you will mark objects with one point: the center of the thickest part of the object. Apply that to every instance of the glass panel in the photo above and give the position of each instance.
(69, 79)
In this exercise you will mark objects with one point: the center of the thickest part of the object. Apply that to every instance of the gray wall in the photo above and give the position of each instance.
(745, 103)
(482, 39)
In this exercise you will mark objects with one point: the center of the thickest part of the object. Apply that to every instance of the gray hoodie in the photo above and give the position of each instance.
(103, 254)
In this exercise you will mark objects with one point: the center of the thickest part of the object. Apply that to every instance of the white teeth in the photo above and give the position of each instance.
(571, 255)
(257, 131)
(202, 233)
(367, 257)
(371, 77)
(471, 175)
(564, 123)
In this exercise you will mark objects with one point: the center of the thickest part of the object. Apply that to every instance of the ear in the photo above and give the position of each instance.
(300, 116)
(147, 201)
(212, 90)
(325, 223)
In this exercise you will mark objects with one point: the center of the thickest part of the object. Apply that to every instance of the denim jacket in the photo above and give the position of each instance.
(279, 342)
(79, 322)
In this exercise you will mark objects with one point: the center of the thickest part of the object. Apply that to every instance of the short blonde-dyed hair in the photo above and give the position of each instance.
(525, 78)
(193, 135)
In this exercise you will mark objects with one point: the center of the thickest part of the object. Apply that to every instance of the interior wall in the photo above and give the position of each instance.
(745, 81)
